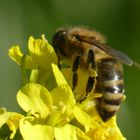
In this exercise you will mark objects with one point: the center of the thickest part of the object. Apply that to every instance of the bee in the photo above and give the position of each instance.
(87, 49)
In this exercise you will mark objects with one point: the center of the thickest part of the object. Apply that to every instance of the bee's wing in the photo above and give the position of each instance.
(115, 53)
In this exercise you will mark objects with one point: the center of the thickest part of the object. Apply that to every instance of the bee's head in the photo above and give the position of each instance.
(59, 37)
(59, 40)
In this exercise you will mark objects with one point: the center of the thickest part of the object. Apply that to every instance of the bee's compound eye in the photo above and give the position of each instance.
(58, 35)
(77, 37)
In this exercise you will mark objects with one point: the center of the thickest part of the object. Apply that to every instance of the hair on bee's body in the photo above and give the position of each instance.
(87, 49)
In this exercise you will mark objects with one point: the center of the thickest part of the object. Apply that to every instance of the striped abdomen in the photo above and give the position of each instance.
(110, 85)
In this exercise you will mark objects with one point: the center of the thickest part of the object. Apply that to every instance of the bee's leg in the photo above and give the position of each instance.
(92, 72)
(75, 67)
(59, 65)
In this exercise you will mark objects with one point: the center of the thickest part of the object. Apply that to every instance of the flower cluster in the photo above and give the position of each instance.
(50, 106)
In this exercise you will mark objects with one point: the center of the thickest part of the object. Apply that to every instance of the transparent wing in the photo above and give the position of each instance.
(115, 53)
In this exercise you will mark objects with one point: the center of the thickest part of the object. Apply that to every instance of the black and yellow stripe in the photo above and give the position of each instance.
(110, 85)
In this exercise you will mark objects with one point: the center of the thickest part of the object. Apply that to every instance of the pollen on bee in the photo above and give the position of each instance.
(92, 72)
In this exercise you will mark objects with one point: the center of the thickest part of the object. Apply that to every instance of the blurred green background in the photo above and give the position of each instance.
(118, 20)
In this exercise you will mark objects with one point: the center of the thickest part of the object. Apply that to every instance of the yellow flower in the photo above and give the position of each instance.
(11, 119)
(49, 113)
(41, 54)
(100, 130)
(106, 131)
(53, 111)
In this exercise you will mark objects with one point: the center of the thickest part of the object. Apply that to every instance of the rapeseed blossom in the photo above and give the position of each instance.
(50, 106)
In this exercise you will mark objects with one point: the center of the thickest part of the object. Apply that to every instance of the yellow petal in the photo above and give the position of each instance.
(35, 98)
(84, 118)
(63, 95)
(11, 119)
(69, 132)
(3, 116)
(42, 52)
(13, 122)
(104, 130)
(60, 80)
(107, 131)
(16, 54)
(33, 131)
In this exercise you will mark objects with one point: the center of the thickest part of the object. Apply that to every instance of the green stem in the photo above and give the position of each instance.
(34, 75)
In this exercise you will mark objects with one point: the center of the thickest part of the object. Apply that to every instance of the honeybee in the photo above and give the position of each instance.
(87, 49)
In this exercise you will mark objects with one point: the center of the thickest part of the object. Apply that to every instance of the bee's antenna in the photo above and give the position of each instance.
(136, 65)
